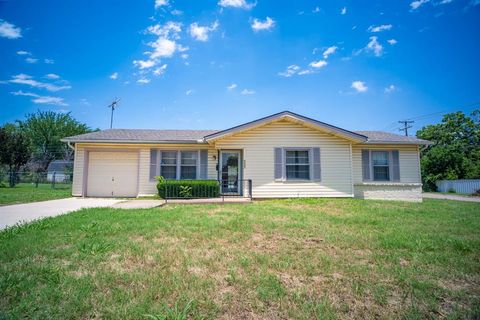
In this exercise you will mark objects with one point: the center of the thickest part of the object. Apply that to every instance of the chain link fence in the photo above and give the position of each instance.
(52, 179)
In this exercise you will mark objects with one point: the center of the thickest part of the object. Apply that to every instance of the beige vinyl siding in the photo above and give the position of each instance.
(145, 186)
(409, 188)
(408, 156)
(258, 151)
(149, 187)
(77, 184)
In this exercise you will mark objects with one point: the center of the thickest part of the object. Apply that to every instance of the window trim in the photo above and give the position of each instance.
(284, 163)
(178, 164)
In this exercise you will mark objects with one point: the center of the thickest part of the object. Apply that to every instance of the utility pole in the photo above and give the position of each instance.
(113, 105)
(406, 125)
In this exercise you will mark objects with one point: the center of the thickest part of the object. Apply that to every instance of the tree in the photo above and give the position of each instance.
(44, 129)
(455, 153)
(14, 151)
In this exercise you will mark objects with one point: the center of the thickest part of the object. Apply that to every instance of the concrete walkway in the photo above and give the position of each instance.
(433, 195)
(20, 213)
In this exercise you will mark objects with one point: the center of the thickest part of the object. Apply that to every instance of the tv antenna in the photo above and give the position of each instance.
(113, 105)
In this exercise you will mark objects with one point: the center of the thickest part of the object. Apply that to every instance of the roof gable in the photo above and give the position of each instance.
(292, 117)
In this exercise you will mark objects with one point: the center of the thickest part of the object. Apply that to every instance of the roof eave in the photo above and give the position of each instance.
(422, 143)
(135, 141)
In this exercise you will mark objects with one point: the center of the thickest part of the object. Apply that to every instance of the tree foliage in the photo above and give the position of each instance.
(14, 150)
(455, 153)
(44, 129)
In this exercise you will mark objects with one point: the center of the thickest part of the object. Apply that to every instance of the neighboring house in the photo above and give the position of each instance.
(285, 155)
(60, 169)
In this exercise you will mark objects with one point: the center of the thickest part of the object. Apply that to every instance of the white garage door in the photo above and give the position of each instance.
(112, 174)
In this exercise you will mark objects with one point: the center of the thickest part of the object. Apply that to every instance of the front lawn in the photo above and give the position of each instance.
(27, 192)
(302, 259)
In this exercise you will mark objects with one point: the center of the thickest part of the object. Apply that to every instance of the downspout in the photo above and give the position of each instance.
(69, 144)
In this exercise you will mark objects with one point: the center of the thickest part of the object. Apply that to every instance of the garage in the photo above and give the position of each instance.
(112, 174)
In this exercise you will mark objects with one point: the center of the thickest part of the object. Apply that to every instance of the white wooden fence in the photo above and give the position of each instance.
(459, 186)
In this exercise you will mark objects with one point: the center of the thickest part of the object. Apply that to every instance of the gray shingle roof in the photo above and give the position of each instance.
(141, 135)
(387, 137)
(195, 136)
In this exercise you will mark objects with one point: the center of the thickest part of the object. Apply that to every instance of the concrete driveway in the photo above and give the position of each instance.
(436, 195)
(19, 213)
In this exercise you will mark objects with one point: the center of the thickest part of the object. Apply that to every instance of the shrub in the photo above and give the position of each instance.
(187, 188)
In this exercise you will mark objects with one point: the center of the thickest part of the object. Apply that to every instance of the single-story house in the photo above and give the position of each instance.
(284, 155)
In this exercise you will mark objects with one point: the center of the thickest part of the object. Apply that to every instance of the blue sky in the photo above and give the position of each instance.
(215, 64)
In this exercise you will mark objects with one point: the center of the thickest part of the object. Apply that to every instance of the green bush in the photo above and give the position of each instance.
(187, 188)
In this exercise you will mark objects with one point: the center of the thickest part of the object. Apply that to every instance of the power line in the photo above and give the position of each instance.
(406, 125)
(429, 115)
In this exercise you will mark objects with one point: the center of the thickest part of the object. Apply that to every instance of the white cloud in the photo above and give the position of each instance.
(159, 3)
(168, 29)
(29, 81)
(9, 31)
(49, 61)
(176, 12)
(144, 64)
(200, 33)
(31, 60)
(38, 99)
(236, 4)
(344, 10)
(160, 70)
(304, 72)
(392, 41)
(143, 81)
(258, 25)
(162, 47)
(23, 53)
(316, 10)
(417, 4)
(247, 92)
(114, 76)
(52, 76)
(189, 92)
(359, 86)
(318, 64)
(391, 88)
(329, 51)
(232, 86)
(290, 71)
(374, 46)
(380, 28)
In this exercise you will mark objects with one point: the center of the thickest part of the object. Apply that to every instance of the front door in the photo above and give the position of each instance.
(230, 172)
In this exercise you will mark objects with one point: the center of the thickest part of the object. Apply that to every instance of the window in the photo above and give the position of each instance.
(168, 164)
(188, 168)
(297, 164)
(380, 164)
(174, 164)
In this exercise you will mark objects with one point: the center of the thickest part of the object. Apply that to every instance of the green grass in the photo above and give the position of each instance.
(26, 192)
(302, 259)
